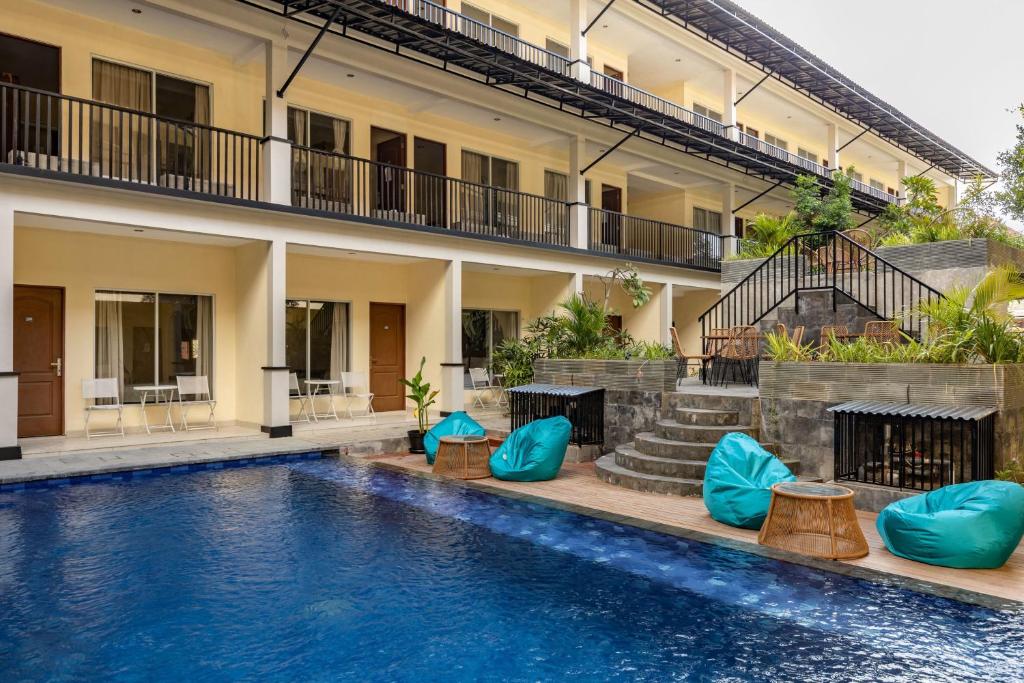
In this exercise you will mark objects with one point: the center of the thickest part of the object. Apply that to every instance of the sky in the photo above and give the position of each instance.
(955, 67)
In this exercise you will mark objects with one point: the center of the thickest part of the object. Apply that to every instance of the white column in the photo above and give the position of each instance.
(277, 164)
(953, 195)
(452, 392)
(578, 214)
(729, 103)
(578, 41)
(902, 171)
(9, 449)
(728, 219)
(665, 313)
(577, 283)
(275, 372)
(832, 145)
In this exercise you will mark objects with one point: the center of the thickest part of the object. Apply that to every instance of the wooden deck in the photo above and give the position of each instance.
(578, 489)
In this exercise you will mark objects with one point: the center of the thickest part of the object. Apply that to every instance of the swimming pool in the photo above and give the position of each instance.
(315, 569)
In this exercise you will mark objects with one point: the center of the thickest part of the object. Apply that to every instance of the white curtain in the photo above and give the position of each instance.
(204, 335)
(110, 341)
(339, 339)
(113, 134)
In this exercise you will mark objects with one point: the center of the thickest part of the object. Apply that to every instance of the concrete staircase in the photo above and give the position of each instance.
(673, 457)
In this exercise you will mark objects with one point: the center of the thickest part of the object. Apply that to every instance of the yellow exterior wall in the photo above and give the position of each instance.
(685, 311)
(81, 263)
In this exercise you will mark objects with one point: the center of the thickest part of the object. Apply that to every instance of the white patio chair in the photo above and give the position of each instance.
(104, 389)
(481, 381)
(198, 388)
(354, 385)
(295, 394)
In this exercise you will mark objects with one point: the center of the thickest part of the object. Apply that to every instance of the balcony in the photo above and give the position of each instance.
(487, 51)
(92, 140)
(95, 142)
(341, 184)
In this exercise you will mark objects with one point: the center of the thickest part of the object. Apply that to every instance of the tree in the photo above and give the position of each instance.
(631, 284)
(815, 212)
(1011, 173)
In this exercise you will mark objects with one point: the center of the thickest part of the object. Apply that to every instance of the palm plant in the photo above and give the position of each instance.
(584, 324)
(421, 394)
(973, 325)
(766, 234)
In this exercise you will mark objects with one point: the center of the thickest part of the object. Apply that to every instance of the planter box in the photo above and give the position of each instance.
(617, 375)
(634, 390)
(795, 397)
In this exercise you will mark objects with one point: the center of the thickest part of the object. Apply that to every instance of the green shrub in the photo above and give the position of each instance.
(779, 347)
(1014, 471)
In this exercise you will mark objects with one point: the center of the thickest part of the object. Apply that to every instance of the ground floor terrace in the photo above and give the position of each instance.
(147, 290)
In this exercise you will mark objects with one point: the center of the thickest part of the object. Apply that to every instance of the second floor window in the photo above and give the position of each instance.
(487, 19)
(556, 186)
(705, 219)
(859, 177)
(132, 147)
(877, 184)
(319, 180)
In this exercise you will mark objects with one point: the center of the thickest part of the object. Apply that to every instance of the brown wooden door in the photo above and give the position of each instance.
(387, 356)
(39, 359)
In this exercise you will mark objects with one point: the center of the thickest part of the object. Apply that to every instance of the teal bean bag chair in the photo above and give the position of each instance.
(456, 424)
(976, 525)
(738, 481)
(534, 452)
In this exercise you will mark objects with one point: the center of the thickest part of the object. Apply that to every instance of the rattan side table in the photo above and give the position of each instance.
(813, 519)
(463, 457)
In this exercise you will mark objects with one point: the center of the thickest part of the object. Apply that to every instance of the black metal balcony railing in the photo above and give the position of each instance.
(81, 137)
(616, 233)
(342, 184)
(484, 34)
(651, 101)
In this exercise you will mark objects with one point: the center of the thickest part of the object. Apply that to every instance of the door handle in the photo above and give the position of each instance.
(59, 365)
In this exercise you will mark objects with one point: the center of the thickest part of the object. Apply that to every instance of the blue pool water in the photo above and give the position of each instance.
(318, 570)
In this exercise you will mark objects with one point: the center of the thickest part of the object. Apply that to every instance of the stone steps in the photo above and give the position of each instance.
(630, 458)
(706, 417)
(670, 429)
(607, 470)
(650, 443)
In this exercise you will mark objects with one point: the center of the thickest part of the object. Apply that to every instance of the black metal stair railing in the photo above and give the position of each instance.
(820, 262)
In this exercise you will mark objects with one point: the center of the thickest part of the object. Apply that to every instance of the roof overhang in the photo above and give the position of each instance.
(733, 29)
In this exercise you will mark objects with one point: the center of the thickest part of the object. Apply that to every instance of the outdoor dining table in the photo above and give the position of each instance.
(326, 388)
(159, 391)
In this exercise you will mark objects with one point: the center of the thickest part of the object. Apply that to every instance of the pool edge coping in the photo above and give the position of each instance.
(891, 579)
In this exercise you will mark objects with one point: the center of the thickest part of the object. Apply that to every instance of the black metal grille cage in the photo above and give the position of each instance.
(583, 406)
(913, 446)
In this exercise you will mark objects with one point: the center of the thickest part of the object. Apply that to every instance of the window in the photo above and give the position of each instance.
(705, 219)
(752, 132)
(556, 47)
(859, 177)
(777, 141)
(487, 19)
(316, 338)
(148, 337)
(707, 112)
(482, 331)
(483, 206)
(122, 144)
(804, 154)
(877, 184)
(332, 179)
(556, 186)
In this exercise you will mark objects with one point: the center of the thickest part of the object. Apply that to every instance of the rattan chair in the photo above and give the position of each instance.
(798, 334)
(683, 360)
(882, 332)
(740, 353)
(840, 332)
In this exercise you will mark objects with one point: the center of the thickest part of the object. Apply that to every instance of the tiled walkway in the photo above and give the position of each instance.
(578, 489)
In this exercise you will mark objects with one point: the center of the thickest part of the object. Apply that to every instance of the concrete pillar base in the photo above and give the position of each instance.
(275, 402)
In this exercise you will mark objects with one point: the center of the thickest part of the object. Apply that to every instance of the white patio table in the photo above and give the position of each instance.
(326, 388)
(158, 391)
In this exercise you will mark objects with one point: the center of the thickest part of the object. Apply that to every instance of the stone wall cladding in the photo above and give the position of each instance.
(795, 398)
(617, 375)
(628, 413)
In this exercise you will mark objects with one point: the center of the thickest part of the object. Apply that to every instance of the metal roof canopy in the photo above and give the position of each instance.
(553, 389)
(428, 42)
(967, 413)
(725, 24)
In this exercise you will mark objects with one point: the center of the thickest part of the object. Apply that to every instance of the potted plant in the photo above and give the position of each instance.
(423, 397)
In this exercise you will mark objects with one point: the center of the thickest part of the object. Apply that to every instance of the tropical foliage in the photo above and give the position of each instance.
(421, 394)
(967, 326)
(1011, 174)
(765, 235)
(581, 330)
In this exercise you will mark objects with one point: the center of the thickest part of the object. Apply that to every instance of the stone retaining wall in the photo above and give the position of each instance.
(795, 398)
